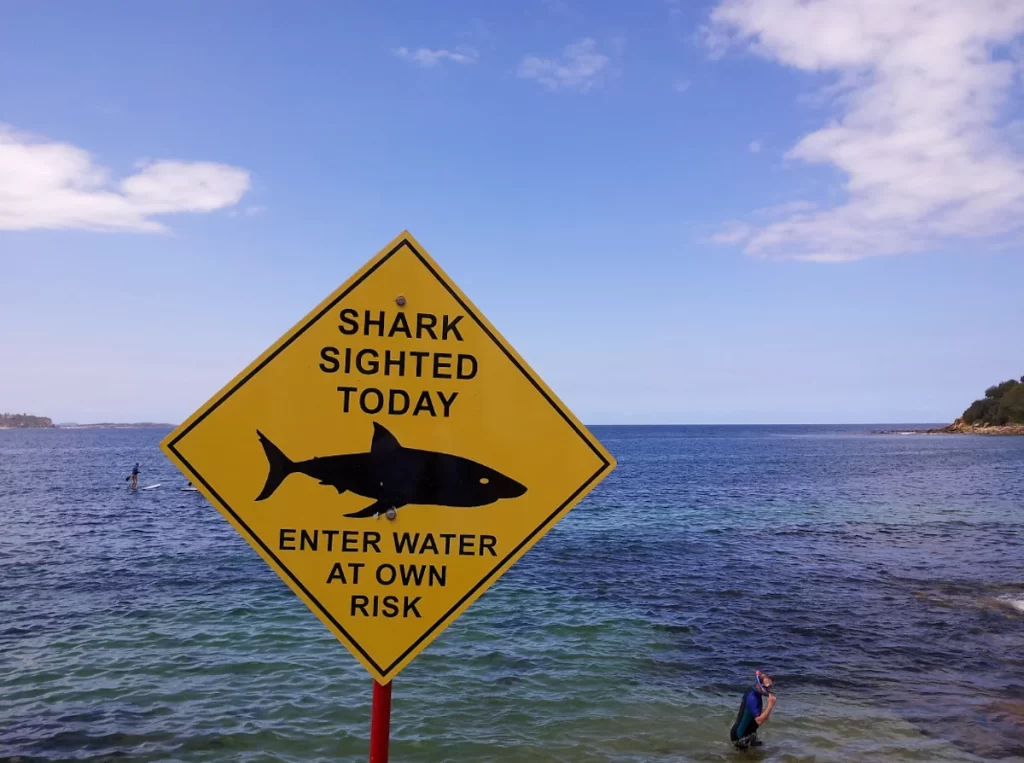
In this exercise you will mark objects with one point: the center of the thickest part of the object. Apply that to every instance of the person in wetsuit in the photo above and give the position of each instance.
(753, 713)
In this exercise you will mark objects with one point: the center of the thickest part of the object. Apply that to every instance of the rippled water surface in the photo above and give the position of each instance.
(881, 578)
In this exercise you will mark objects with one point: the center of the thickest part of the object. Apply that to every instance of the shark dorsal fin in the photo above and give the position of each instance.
(383, 440)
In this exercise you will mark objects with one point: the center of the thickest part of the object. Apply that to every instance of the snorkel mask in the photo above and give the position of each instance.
(764, 689)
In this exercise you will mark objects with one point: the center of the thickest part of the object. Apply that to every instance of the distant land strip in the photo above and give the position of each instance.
(27, 421)
(112, 425)
(1000, 412)
(959, 427)
(24, 421)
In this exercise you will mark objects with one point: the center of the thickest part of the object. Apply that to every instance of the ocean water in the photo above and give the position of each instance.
(879, 578)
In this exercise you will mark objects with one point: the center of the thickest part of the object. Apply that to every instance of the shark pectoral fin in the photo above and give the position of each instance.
(339, 488)
(377, 507)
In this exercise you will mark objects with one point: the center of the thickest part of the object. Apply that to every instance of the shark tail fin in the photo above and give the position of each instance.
(280, 466)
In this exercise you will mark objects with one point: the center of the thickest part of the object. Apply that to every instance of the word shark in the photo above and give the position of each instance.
(394, 476)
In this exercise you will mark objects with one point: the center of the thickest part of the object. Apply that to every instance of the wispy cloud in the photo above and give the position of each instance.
(732, 234)
(787, 208)
(681, 85)
(253, 210)
(47, 184)
(480, 32)
(918, 131)
(428, 58)
(578, 68)
(755, 147)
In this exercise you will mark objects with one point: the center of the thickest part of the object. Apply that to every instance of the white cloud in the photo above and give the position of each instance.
(732, 234)
(427, 57)
(788, 208)
(45, 184)
(578, 68)
(251, 211)
(681, 85)
(755, 146)
(919, 133)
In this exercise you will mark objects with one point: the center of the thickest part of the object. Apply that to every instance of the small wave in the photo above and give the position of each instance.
(1017, 604)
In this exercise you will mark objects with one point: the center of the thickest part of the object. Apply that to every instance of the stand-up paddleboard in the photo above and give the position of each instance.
(190, 490)
(150, 487)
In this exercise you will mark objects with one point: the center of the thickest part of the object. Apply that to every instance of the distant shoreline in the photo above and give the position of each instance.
(109, 425)
(959, 427)
(145, 425)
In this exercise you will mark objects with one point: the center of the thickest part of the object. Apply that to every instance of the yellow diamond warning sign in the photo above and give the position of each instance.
(390, 457)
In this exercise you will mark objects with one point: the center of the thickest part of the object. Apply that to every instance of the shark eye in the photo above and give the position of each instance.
(484, 480)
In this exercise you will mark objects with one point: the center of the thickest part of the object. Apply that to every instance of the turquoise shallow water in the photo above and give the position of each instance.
(876, 576)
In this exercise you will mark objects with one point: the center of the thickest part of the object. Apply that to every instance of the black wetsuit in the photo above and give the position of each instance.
(744, 730)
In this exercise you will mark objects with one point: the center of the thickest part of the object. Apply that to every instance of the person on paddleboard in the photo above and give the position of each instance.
(135, 476)
(753, 713)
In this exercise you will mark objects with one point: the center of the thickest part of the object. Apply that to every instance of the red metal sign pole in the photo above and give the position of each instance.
(380, 723)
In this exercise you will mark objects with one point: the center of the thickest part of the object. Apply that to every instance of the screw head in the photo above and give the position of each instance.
(400, 301)
(391, 513)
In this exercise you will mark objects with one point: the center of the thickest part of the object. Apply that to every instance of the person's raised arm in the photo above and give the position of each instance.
(767, 711)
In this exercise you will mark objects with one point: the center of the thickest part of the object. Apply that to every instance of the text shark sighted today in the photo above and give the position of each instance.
(402, 364)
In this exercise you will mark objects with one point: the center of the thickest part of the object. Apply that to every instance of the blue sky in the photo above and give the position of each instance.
(717, 212)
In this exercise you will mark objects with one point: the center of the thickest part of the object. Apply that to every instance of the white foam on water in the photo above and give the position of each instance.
(1016, 603)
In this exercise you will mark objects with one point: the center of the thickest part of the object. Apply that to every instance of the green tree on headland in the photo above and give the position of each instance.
(1003, 404)
(23, 421)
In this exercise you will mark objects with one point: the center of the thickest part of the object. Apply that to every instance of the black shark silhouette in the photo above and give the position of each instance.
(394, 476)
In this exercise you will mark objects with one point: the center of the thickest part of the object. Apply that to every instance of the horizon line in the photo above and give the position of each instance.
(160, 424)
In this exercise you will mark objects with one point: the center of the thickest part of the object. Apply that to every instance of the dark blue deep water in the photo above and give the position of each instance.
(880, 578)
